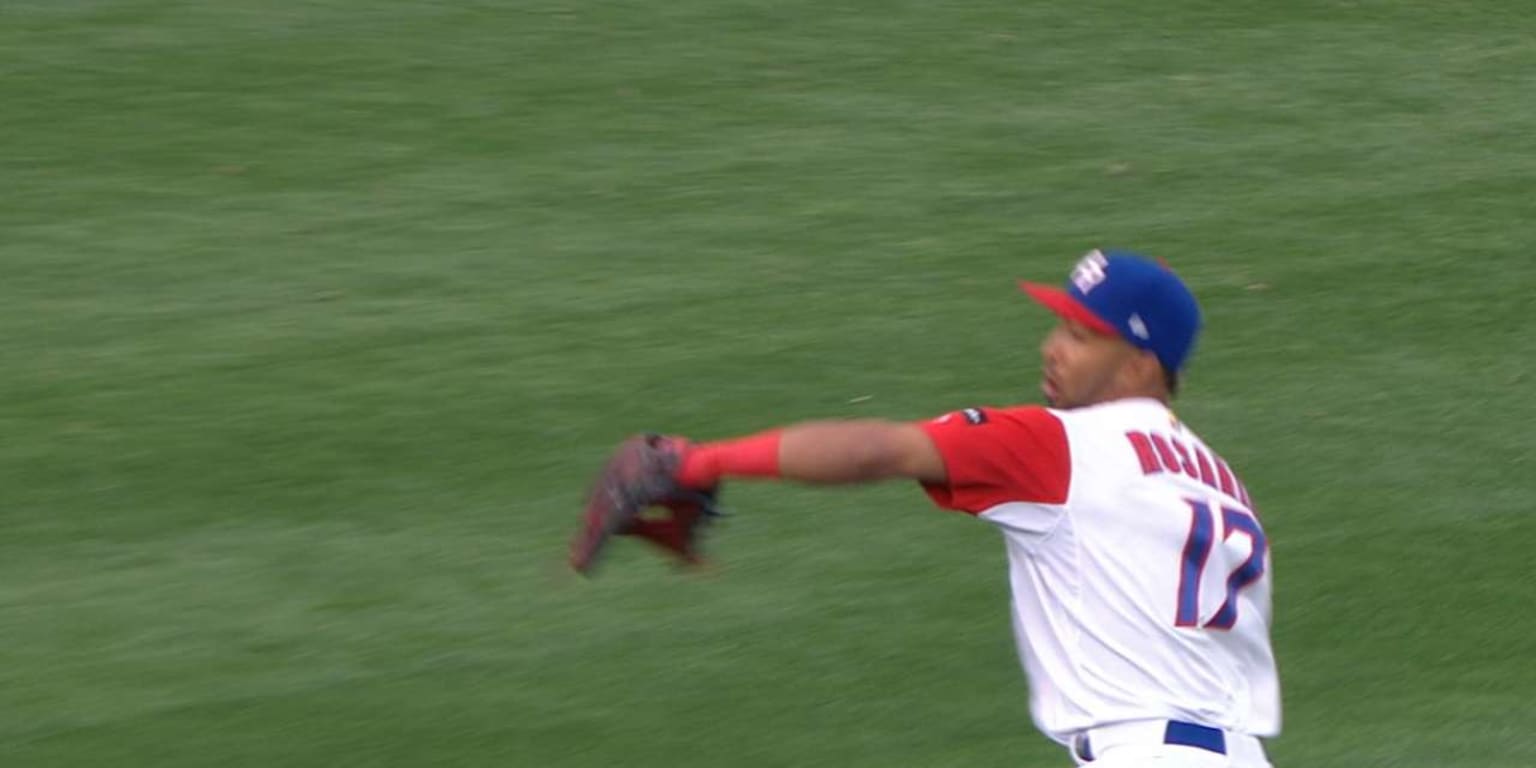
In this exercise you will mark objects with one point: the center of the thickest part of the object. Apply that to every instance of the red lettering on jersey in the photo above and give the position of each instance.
(1184, 460)
(1206, 475)
(1162, 453)
(1144, 451)
(1165, 452)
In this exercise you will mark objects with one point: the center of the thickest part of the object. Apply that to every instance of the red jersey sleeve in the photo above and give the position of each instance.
(996, 455)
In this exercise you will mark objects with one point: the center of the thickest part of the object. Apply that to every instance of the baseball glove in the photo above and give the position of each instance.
(637, 494)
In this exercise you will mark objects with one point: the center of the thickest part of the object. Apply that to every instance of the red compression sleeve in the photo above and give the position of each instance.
(752, 456)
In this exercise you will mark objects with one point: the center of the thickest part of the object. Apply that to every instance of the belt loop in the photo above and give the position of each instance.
(1081, 748)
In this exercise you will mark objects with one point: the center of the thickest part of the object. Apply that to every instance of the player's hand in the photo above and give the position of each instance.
(638, 494)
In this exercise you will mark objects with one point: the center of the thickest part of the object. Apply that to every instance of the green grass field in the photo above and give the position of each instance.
(319, 314)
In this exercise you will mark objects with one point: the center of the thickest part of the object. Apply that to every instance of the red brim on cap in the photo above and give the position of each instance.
(1062, 303)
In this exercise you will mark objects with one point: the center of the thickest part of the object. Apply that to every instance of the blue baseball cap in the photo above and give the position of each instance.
(1122, 294)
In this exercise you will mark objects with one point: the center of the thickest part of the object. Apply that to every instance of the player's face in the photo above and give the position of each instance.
(1082, 367)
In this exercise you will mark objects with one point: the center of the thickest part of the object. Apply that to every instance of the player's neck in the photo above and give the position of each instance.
(1158, 393)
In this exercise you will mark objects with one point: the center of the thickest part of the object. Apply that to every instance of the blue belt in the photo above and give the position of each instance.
(1179, 733)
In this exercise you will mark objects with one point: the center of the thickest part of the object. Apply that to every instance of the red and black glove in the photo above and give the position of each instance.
(638, 494)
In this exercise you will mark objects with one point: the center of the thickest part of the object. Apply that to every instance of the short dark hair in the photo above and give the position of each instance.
(1171, 381)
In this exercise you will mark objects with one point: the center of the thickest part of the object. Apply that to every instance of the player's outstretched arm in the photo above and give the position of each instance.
(650, 471)
(823, 452)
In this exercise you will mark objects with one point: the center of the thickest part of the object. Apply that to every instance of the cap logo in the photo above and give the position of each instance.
(1090, 271)
(1139, 328)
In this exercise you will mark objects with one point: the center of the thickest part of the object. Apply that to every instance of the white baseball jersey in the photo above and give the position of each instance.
(1139, 571)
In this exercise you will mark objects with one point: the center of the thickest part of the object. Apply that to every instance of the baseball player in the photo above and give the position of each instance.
(1139, 569)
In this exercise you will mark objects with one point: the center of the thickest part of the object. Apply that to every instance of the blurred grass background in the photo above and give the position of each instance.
(319, 314)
